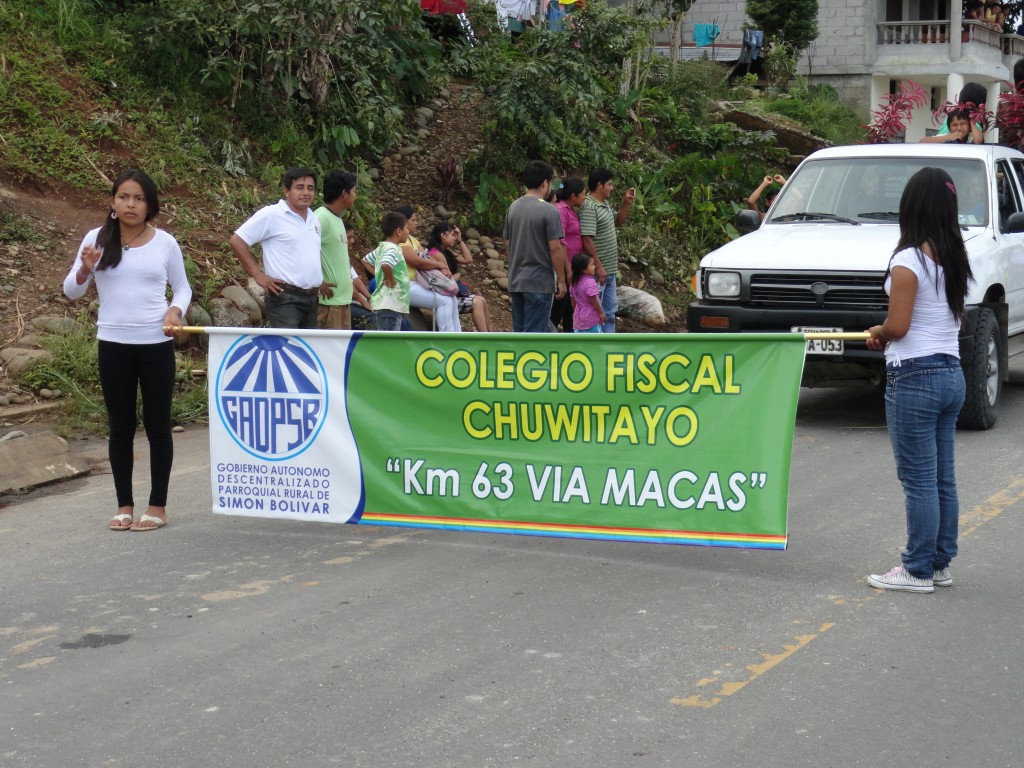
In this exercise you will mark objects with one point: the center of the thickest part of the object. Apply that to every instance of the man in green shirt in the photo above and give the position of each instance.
(335, 310)
(598, 222)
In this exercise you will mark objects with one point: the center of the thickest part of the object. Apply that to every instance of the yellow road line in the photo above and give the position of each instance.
(756, 670)
(992, 506)
(988, 510)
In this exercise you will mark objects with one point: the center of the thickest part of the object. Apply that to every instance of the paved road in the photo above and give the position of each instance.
(240, 642)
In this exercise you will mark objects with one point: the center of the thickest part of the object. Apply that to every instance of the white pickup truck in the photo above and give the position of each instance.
(818, 261)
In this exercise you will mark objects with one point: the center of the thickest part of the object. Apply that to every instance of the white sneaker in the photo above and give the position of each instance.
(942, 577)
(899, 579)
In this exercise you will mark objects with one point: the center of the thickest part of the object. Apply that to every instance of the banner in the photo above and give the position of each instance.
(676, 439)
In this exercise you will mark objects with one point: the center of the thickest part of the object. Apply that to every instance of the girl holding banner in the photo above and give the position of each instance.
(132, 263)
(927, 284)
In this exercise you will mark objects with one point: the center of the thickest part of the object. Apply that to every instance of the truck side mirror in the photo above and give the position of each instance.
(747, 221)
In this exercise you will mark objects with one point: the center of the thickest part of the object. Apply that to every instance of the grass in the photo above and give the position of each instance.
(73, 369)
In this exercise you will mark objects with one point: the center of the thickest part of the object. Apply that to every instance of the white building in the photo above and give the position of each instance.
(865, 48)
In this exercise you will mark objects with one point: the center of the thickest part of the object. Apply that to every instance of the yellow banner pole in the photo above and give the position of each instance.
(849, 336)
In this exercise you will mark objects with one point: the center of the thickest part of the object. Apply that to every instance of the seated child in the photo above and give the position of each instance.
(960, 130)
(390, 299)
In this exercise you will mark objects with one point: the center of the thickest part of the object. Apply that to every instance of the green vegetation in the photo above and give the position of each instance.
(215, 100)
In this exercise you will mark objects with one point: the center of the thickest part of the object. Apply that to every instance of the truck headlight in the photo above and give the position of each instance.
(723, 285)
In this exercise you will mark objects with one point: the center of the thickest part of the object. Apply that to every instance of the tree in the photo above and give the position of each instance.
(794, 22)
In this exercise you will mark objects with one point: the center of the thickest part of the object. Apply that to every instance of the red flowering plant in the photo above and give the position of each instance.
(1010, 118)
(893, 113)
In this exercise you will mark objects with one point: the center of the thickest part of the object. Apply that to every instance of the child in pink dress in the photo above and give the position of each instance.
(587, 315)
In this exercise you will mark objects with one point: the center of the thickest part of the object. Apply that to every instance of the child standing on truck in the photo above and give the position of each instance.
(925, 389)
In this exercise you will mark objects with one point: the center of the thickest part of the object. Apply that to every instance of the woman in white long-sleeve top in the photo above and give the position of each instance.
(132, 263)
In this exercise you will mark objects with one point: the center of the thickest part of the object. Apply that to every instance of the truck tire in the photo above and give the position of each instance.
(983, 375)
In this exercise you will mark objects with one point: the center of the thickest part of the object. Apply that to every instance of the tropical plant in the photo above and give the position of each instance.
(790, 22)
(894, 111)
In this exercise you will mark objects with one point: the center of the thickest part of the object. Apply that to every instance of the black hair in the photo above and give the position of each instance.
(297, 173)
(598, 176)
(972, 93)
(337, 183)
(580, 262)
(391, 221)
(406, 210)
(571, 186)
(928, 215)
(435, 235)
(536, 173)
(109, 238)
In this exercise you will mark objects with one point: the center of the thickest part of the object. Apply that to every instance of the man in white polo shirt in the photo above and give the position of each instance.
(289, 234)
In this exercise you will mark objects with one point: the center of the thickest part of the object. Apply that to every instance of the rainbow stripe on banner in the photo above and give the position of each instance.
(606, 533)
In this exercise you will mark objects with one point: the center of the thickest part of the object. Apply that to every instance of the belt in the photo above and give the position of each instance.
(289, 288)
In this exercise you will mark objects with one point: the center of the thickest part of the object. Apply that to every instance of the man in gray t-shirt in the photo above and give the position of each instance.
(533, 232)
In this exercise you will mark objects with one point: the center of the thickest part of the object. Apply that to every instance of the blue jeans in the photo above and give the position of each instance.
(388, 320)
(531, 312)
(609, 303)
(922, 399)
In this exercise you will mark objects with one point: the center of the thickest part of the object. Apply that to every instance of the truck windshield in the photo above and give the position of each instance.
(862, 189)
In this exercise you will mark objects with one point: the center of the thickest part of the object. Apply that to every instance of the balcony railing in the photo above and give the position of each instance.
(1013, 45)
(913, 32)
(937, 31)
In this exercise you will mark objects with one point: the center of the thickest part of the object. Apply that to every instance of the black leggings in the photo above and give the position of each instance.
(124, 369)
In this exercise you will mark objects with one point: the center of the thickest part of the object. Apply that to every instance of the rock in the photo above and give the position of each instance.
(485, 240)
(57, 393)
(408, 151)
(4, 400)
(373, 173)
(257, 293)
(657, 278)
(196, 315)
(396, 157)
(496, 264)
(385, 162)
(46, 394)
(422, 134)
(502, 283)
(19, 360)
(474, 249)
(225, 315)
(639, 305)
(437, 103)
(426, 112)
(490, 253)
(497, 273)
(177, 428)
(441, 212)
(472, 234)
(51, 324)
(444, 93)
(240, 297)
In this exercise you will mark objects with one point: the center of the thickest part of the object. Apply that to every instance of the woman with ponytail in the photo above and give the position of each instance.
(924, 390)
(132, 263)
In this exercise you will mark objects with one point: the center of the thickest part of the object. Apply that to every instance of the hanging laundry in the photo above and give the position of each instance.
(752, 40)
(521, 10)
(705, 34)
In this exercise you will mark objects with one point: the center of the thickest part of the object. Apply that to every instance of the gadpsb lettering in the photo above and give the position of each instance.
(271, 424)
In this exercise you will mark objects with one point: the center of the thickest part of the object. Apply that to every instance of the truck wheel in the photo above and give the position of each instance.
(984, 378)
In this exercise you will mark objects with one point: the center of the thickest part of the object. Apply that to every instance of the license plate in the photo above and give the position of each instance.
(821, 346)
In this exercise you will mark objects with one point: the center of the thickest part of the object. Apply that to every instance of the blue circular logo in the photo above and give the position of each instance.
(272, 395)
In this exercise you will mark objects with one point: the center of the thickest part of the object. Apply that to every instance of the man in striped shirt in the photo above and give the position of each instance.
(598, 222)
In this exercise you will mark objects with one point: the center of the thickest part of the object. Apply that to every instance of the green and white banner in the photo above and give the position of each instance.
(678, 439)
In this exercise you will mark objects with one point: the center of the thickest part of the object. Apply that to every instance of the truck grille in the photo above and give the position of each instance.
(835, 291)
